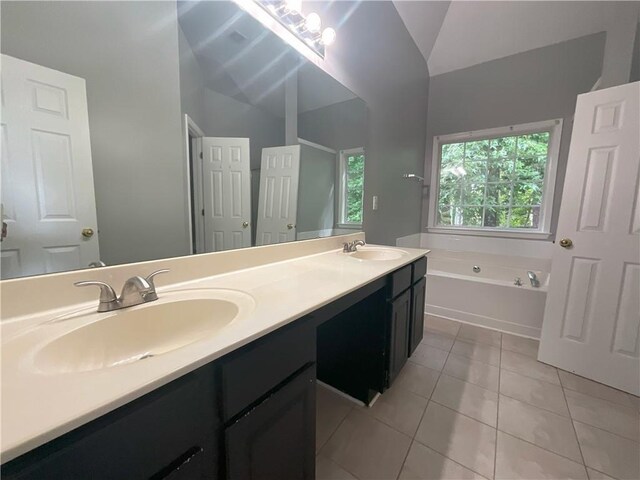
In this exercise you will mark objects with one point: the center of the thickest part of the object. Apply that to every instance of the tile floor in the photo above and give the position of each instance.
(473, 403)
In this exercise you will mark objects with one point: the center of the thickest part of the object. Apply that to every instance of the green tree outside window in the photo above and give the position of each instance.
(354, 165)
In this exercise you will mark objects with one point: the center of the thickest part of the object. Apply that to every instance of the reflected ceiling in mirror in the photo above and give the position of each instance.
(136, 131)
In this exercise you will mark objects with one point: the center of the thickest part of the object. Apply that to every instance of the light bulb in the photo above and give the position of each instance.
(313, 22)
(328, 36)
(293, 5)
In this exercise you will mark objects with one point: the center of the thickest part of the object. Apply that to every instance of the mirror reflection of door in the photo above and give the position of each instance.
(47, 174)
(278, 203)
(226, 194)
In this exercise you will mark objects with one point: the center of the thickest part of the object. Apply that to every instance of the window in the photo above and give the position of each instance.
(351, 187)
(496, 180)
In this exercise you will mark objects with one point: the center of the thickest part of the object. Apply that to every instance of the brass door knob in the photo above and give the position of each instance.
(290, 226)
(566, 243)
(245, 224)
(87, 232)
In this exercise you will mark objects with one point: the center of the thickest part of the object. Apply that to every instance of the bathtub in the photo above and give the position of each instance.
(487, 297)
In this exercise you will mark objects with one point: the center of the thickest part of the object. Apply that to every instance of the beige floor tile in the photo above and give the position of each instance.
(459, 438)
(327, 469)
(534, 392)
(594, 389)
(400, 409)
(479, 334)
(441, 325)
(529, 366)
(478, 373)
(367, 448)
(523, 345)
(417, 379)
(438, 340)
(516, 459)
(422, 463)
(596, 475)
(545, 429)
(609, 453)
(468, 399)
(429, 357)
(480, 352)
(609, 416)
(331, 409)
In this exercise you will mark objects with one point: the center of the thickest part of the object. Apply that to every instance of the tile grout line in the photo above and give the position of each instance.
(573, 427)
(495, 450)
(413, 438)
(606, 431)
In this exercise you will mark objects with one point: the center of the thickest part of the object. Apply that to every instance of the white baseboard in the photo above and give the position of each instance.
(481, 320)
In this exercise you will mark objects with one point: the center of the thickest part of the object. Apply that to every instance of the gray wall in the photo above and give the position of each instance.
(128, 54)
(375, 57)
(635, 62)
(316, 190)
(537, 85)
(339, 126)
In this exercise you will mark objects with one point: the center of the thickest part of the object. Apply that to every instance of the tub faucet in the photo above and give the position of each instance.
(350, 247)
(533, 278)
(135, 291)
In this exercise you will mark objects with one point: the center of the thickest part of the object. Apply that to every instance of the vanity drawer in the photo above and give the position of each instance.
(399, 281)
(419, 269)
(249, 374)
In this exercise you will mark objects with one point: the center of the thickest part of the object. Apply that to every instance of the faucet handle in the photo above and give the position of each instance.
(152, 295)
(107, 293)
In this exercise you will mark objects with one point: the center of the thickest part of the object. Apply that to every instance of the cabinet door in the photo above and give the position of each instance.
(276, 439)
(399, 334)
(416, 333)
(168, 433)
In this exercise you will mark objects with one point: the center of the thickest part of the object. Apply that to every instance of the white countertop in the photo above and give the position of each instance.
(38, 407)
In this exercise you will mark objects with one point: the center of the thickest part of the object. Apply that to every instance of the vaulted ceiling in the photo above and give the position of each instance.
(459, 34)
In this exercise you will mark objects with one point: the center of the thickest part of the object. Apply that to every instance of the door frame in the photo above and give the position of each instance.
(193, 176)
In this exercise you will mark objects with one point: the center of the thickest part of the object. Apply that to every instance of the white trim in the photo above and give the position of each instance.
(191, 127)
(554, 127)
(483, 321)
(342, 188)
(302, 141)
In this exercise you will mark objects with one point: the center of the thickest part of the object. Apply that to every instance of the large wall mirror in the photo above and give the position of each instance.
(135, 131)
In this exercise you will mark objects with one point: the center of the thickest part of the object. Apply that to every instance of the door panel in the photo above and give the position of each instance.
(46, 151)
(278, 203)
(400, 316)
(276, 439)
(418, 292)
(227, 193)
(592, 315)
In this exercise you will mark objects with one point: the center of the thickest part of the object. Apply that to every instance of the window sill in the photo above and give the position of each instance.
(536, 235)
(349, 226)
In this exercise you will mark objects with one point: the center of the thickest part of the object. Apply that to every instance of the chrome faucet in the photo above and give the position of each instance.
(533, 278)
(135, 291)
(350, 247)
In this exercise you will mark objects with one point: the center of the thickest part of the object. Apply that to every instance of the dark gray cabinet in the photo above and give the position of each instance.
(400, 312)
(161, 435)
(416, 326)
(265, 443)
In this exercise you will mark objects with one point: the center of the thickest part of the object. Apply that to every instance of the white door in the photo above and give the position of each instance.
(47, 176)
(227, 193)
(592, 316)
(278, 202)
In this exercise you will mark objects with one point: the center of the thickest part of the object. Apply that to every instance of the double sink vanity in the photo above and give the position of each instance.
(214, 379)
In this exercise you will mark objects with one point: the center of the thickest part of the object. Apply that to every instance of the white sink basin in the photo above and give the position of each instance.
(377, 253)
(175, 320)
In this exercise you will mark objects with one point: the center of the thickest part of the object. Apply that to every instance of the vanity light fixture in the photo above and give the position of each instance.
(307, 28)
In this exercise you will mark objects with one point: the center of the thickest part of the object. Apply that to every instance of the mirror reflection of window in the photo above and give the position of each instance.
(352, 186)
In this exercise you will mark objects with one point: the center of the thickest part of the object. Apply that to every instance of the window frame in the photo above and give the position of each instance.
(554, 127)
(342, 187)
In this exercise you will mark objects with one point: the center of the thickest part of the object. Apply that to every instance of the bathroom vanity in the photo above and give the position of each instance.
(240, 405)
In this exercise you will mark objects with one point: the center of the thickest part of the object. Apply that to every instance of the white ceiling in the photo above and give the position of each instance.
(473, 32)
